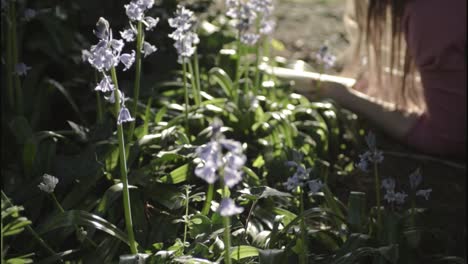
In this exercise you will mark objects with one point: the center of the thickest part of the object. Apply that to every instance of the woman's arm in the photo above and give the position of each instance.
(395, 122)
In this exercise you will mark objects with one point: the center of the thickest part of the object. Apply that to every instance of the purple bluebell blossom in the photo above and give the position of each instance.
(388, 184)
(128, 34)
(183, 35)
(134, 11)
(315, 186)
(249, 38)
(227, 207)
(292, 183)
(148, 49)
(415, 179)
(127, 59)
(21, 69)
(400, 197)
(424, 193)
(105, 85)
(214, 161)
(124, 116)
(150, 22)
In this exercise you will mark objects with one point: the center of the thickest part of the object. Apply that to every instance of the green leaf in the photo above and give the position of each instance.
(82, 218)
(272, 256)
(223, 79)
(177, 176)
(356, 211)
(69, 98)
(111, 194)
(242, 252)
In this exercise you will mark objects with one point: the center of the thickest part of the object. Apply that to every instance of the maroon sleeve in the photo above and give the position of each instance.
(435, 32)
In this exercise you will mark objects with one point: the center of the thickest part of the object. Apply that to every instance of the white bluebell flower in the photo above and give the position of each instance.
(29, 14)
(424, 193)
(315, 186)
(117, 45)
(185, 38)
(105, 85)
(127, 59)
(227, 207)
(134, 11)
(148, 49)
(128, 34)
(21, 69)
(249, 38)
(415, 179)
(388, 184)
(243, 16)
(48, 183)
(124, 116)
(150, 22)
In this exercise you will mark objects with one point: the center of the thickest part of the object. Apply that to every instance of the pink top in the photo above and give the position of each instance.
(436, 37)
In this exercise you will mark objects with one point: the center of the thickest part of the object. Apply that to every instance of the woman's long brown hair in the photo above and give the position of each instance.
(380, 29)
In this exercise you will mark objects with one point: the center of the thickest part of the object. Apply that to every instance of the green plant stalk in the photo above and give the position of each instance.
(244, 238)
(136, 87)
(235, 93)
(377, 197)
(9, 65)
(303, 257)
(184, 69)
(30, 230)
(123, 170)
(59, 206)
(186, 214)
(227, 224)
(17, 82)
(193, 81)
(413, 208)
(100, 111)
(209, 198)
(257, 59)
(197, 75)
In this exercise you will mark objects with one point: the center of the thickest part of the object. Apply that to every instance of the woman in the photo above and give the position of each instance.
(413, 82)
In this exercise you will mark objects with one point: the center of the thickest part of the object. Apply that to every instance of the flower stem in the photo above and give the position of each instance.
(184, 68)
(187, 197)
(377, 197)
(257, 72)
(14, 50)
(136, 87)
(227, 240)
(9, 63)
(197, 76)
(59, 206)
(100, 111)
(209, 198)
(235, 93)
(303, 259)
(413, 209)
(123, 170)
(193, 81)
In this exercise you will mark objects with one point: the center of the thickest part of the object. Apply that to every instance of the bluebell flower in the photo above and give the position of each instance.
(315, 186)
(134, 11)
(388, 184)
(390, 196)
(227, 207)
(292, 183)
(48, 183)
(124, 116)
(370, 140)
(243, 16)
(267, 26)
(128, 34)
(21, 69)
(111, 97)
(29, 14)
(400, 197)
(127, 59)
(363, 165)
(117, 45)
(183, 35)
(415, 179)
(207, 171)
(102, 30)
(264, 7)
(148, 49)
(249, 38)
(105, 85)
(424, 193)
(145, 4)
(328, 60)
(231, 177)
(150, 22)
